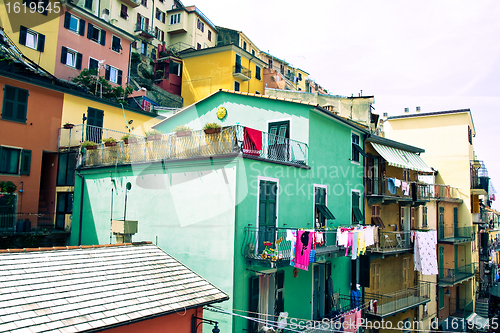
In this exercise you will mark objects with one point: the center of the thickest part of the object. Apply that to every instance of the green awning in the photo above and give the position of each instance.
(325, 212)
(401, 158)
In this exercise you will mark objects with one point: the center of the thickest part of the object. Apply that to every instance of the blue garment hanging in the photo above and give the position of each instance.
(391, 186)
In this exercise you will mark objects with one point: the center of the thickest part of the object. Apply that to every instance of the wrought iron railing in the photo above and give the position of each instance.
(238, 69)
(479, 179)
(400, 300)
(460, 306)
(271, 243)
(452, 276)
(459, 234)
(230, 140)
(439, 191)
(75, 136)
(393, 241)
(25, 222)
(146, 29)
(384, 186)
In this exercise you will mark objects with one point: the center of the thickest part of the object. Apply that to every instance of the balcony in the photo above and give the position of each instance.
(230, 141)
(455, 235)
(132, 3)
(444, 193)
(73, 137)
(399, 301)
(269, 246)
(144, 31)
(242, 73)
(382, 190)
(453, 276)
(479, 180)
(391, 242)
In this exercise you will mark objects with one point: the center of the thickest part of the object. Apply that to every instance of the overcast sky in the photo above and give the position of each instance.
(439, 55)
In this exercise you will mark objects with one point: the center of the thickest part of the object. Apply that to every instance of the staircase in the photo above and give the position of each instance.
(482, 306)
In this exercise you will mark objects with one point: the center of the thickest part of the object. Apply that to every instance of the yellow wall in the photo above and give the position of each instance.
(46, 25)
(205, 74)
(74, 107)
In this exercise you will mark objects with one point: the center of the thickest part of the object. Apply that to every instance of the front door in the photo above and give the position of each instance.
(267, 214)
(278, 141)
(441, 262)
(94, 125)
(319, 291)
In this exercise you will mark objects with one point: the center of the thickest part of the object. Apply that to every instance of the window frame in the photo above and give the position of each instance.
(125, 12)
(75, 54)
(360, 201)
(209, 35)
(117, 50)
(80, 30)
(115, 71)
(16, 103)
(90, 58)
(200, 25)
(23, 166)
(175, 19)
(273, 180)
(356, 148)
(238, 85)
(258, 75)
(101, 34)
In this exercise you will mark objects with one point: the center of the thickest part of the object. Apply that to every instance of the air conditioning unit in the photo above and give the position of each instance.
(105, 17)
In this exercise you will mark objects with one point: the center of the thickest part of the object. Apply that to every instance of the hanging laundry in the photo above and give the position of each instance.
(354, 253)
(397, 182)
(361, 242)
(425, 257)
(318, 238)
(342, 236)
(391, 186)
(406, 188)
(252, 141)
(291, 235)
(369, 236)
(349, 243)
(303, 249)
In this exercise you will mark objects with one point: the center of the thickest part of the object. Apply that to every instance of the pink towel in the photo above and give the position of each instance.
(303, 249)
(252, 141)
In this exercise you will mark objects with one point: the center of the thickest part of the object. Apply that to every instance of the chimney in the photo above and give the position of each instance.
(418, 109)
(407, 110)
(385, 115)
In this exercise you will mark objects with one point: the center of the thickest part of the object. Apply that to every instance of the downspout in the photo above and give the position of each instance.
(81, 210)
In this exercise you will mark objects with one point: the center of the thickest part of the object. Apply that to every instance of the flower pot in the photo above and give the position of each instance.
(110, 144)
(212, 130)
(155, 137)
(91, 147)
(130, 140)
(68, 126)
(183, 133)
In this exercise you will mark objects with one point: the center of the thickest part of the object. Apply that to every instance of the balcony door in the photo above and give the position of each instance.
(268, 193)
(322, 289)
(441, 262)
(95, 119)
(278, 141)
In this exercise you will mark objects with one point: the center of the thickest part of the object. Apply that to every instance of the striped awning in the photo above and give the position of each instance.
(401, 158)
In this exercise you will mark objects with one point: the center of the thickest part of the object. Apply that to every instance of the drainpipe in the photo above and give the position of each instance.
(81, 210)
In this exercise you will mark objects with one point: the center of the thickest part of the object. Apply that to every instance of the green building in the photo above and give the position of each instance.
(215, 200)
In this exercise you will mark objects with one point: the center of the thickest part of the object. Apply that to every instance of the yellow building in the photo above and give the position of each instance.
(33, 33)
(223, 67)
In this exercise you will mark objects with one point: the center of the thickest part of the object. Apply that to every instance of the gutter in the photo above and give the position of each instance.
(80, 227)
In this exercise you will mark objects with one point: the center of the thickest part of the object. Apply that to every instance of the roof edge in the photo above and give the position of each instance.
(394, 144)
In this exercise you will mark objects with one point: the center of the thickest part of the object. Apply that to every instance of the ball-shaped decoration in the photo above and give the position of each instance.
(221, 112)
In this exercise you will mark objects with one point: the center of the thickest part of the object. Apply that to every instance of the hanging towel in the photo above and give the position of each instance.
(349, 243)
(252, 141)
(397, 182)
(342, 237)
(369, 236)
(291, 235)
(303, 249)
(391, 186)
(361, 242)
(354, 253)
(425, 257)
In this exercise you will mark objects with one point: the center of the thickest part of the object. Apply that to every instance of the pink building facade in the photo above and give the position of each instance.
(86, 41)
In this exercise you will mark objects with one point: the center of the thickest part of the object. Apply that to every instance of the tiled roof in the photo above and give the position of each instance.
(91, 288)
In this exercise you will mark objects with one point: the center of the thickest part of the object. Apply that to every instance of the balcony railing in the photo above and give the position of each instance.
(381, 186)
(132, 3)
(402, 300)
(270, 244)
(26, 222)
(479, 180)
(242, 73)
(439, 191)
(145, 30)
(393, 241)
(452, 276)
(230, 140)
(75, 136)
(460, 307)
(455, 234)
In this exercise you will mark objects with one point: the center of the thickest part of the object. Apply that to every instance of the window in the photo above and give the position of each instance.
(113, 75)
(236, 86)
(357, 216)
(96, 34)
(280, 292)
(66, 169)
(160, 15)
(15, 103)
(406, 175)
(144, 48)
(94, 66)
(144, 3)
(198, 46)
(209, 35)
(175, 18)
(64, 206)
(124, 12)
(244, 45)
(257, 72)
(160, 35)
(201, 25)
(441, 297)
(321, 211)
(424, 217)
(142, 23)
(356, 149)
(300, 76)
(470, 136)
(270, 63)
(31, 39)
(71, 58)
(88, 4)
(75, 24)
(116, 44)
(174, 68)
(15, 161)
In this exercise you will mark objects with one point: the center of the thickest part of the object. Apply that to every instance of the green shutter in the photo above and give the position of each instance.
(441, 298)
(25, 162)
(41, 43)
(22, 35)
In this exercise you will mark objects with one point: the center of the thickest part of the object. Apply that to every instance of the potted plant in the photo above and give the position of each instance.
(182, 130)
(89, 145)
(211, 128)
(153, 135)
(128, 139)
(68, 126)
(109, 142)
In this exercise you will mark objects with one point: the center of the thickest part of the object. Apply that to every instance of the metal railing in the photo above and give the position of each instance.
(400, 300)
(271, 244)
(26, 222)
(75, 136)
(458, 234)
(230, 140)
(439, 191)
(460, 306)
(146, 29)
(383, 186)
(393, 241)
(452, 276)
(479, 179)
(238, 69)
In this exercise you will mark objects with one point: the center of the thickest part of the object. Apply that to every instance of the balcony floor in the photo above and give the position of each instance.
(455, 240)
(456, 279)
(394, 307)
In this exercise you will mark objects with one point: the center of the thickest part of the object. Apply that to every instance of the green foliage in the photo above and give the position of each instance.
(7, 186)
(153, 132)
(97, 84)
(182, 128)
(88, 143)
(211, 125)
(135, 57)
(147, 74)
(107, 140)
(126, 136)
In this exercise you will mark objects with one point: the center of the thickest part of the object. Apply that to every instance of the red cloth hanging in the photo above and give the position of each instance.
(252, 141)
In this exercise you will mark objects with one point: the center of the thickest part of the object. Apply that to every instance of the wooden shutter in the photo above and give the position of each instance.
(108, 70)
(103, 37)
(120, 73)
(253, 305)
(475, 204)
(412, 218)
(364, 273)
(64, 54)
(406, 273)
(375, 278)
(402, 217)
(82, 28)
(25, 162)
(78, 61)
(41, 43)
(67, 19)
(90, 30)
(22, 35)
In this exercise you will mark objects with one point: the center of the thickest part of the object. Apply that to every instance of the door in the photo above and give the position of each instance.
(375, 278)
(267, 214)
(237, 64)
(319, 291)
(64, 206)
(441, 223)
(94, 125)
(278, 141)
(406, 273)
(319, 198)
(455, 222)
(441, 262)
(375, 176)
